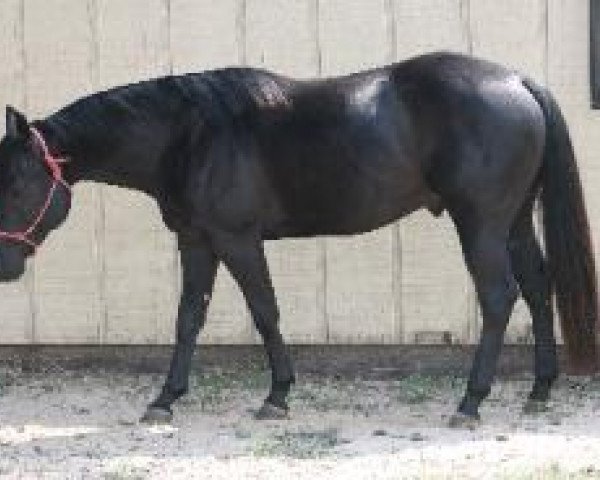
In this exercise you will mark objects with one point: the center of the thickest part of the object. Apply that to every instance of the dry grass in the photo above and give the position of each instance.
(65, 425)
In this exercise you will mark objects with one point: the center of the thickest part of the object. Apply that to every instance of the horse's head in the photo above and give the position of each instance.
(34, 199)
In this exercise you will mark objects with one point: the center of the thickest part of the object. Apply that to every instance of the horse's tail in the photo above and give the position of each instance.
(567, 238)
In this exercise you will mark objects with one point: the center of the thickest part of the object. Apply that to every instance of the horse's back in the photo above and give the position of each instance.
(350, 154)
(339, 157)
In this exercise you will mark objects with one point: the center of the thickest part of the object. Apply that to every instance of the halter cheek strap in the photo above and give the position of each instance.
(54, 165)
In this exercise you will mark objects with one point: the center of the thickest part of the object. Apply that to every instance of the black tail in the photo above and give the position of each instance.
(567, 238)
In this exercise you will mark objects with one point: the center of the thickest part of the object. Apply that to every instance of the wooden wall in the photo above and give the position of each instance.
(111, 274)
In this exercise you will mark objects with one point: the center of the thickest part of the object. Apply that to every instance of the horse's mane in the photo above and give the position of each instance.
(216, 96)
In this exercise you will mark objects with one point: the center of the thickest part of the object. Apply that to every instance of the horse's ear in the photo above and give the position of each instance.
(16, 123)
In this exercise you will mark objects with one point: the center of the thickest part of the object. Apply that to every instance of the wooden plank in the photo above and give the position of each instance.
(361, 303)
(282, 36)
(568, 58)
(438, 299)
(12, 73)
(512, 33)
(16, 308)
(423, 26)
(353, 35)
(66, 284)
(140, 295)
(297, 271)
(204, 35)
(437, 292)
(595, 53)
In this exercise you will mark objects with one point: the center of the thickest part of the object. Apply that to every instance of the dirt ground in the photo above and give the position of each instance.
(84, 425)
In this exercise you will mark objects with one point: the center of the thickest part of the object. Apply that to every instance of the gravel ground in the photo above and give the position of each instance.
(84, 425)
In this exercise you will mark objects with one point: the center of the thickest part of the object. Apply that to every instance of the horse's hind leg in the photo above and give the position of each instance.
(486, 253)
(199, 267)
(245, 259)
(531, 272)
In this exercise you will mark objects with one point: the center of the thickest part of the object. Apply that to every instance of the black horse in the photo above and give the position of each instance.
(237, 156)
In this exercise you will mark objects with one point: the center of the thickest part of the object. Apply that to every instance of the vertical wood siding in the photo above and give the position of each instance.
(66, 288)
(111, 274)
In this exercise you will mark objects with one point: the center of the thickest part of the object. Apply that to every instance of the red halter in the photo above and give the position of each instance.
(54, 165)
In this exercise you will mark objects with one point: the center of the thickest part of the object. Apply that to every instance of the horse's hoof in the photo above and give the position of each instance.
(157, 416)
(532, 406)
(268, 411)
(461, 420)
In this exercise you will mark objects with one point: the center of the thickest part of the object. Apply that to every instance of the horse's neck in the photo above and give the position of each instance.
(102, 155)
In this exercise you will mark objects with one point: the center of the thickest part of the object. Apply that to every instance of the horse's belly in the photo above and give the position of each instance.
(351, 203)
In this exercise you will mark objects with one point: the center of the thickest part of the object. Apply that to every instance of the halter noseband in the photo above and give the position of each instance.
(54, 165)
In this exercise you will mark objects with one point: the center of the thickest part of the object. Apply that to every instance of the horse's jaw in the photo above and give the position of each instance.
(7, 276)
(12, 265)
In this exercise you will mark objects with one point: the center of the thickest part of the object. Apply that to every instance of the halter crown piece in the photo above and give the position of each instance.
(54, 165)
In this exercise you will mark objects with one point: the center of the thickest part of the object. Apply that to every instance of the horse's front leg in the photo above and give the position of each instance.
(199, 267)
(244, 257)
